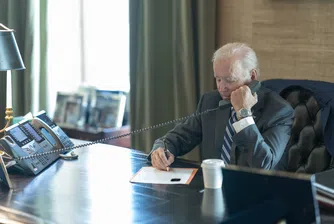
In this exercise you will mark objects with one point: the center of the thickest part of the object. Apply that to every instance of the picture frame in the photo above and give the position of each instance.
(70, 109)
(61, 102)
(94, 117)
(107, 109)
(73, 111)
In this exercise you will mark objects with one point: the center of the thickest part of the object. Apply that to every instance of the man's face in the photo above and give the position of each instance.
(226, 83)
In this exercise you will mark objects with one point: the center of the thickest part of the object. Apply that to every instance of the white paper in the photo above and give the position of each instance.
(155, 176)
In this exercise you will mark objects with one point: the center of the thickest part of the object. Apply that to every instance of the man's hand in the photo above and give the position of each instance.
(243, 98)
(159, 159)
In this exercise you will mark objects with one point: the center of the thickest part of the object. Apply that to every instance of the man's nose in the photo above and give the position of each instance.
(221, 86)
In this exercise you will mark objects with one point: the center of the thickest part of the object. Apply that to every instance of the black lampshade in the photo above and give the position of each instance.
(10, 57)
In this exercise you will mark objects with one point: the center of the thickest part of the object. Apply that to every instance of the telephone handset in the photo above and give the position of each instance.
(254, 87)
(47, 132)
(49, 124)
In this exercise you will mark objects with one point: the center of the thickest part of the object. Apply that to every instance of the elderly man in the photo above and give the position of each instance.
(253, 131)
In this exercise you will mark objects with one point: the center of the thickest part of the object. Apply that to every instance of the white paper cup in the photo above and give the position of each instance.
(212, 173)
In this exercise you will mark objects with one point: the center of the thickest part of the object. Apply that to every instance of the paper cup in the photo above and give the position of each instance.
(212, 173)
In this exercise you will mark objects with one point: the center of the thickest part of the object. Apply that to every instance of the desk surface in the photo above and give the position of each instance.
(96, 189)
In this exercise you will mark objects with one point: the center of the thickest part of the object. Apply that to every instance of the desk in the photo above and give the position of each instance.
(96, 189)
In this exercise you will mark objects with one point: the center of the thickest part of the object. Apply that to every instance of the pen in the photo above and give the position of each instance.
(166, 150)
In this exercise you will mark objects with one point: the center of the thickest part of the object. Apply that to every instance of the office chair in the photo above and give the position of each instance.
(310, 148)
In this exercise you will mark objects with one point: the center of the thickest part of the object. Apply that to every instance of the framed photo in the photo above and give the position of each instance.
(109, 117)
(108, 109)
(88, 93)
(72, 113)
(94, 117)
(70, 109)
(61, 102)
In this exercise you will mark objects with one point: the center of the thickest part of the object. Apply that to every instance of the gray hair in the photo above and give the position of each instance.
(244, 58)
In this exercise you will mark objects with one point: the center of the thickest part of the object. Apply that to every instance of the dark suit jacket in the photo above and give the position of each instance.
(323, 92)
(260, 145)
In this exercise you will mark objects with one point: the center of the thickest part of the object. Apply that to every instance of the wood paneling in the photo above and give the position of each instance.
(293, 39)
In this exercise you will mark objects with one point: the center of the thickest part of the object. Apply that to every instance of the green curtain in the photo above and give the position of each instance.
(28, 19)
(171, 46)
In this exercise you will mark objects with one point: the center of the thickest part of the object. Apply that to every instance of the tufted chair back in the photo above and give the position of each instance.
(306, 150)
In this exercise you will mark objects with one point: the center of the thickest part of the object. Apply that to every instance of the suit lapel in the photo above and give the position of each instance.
(257, 108)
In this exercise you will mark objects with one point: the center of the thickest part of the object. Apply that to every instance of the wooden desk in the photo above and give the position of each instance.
(96, 189)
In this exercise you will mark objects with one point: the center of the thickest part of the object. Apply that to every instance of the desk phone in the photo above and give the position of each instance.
(32, 137)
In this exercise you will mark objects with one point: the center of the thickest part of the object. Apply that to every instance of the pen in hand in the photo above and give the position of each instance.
(166, 153)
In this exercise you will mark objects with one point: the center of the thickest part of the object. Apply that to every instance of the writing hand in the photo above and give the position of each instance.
(161, 159)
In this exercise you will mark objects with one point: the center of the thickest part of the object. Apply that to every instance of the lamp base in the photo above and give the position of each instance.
(9, 118)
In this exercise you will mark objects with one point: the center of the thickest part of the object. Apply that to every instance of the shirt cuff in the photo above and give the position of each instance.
(243, 123)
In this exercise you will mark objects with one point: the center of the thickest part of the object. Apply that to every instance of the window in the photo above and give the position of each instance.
(88, 43)
(106, 44)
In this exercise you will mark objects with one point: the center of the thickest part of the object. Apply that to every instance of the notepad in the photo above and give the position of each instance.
(155, 176)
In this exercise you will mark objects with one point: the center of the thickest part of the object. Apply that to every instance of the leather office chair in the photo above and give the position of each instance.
(306, 150)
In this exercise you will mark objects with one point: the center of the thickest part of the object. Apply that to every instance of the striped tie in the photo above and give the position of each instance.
(229, 132)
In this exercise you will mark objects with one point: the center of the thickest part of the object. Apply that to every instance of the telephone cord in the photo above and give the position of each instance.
(115, 137)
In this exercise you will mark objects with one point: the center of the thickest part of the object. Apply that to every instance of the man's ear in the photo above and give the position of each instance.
(254, 74)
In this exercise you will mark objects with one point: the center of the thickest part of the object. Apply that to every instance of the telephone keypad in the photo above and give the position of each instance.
(42, 160)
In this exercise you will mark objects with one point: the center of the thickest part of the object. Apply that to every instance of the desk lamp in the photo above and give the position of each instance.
(10, 59)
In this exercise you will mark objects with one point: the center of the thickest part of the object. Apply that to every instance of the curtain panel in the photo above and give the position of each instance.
(28, 19)
(171, 47)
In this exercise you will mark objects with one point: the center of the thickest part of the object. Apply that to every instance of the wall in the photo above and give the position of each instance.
(294, 39)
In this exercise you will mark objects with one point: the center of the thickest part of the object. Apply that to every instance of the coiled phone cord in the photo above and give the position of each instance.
(116, 137)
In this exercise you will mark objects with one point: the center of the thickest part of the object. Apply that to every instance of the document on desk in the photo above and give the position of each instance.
(155, 176)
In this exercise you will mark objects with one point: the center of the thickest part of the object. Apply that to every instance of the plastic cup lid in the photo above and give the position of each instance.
(213, 163)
